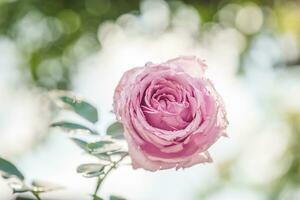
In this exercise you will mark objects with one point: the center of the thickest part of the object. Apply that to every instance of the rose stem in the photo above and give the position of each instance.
(100, 180)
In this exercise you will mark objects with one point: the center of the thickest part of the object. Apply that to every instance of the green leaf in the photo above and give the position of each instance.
(103, 157)
(119, 153)
(42, 186)
(9, 169)
(91, 170)
(97, 145)
(73, 126)
(102, 147)
(110, 156)
(116, 130)
(82, 144)
(113, 197)
(82, 108)
(95, 197)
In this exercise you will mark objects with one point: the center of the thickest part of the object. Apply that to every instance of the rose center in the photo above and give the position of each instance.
(167, 106)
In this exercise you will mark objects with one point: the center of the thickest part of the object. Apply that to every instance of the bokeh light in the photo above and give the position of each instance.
(252, 49)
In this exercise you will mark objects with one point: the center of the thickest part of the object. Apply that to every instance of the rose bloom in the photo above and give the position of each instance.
(171, 114)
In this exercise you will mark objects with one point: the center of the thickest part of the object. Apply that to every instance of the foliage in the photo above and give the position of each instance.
(82, 108)
(8, 169)
(16, 180)
(116, 130)
(108, 148)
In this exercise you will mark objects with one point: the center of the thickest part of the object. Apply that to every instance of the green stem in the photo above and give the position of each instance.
(36, 195)
(100, 180)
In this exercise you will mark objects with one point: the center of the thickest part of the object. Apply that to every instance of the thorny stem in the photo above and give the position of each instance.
(100, 180)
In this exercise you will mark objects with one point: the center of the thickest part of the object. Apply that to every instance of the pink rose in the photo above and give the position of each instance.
(170, 117)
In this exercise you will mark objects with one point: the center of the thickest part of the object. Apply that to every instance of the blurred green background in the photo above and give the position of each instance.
(49, 40)
(64, 32)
